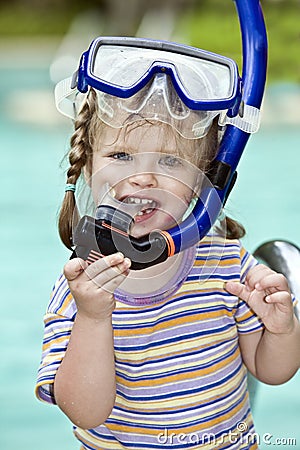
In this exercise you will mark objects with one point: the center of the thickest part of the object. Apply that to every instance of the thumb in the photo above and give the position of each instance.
(74, 267)
(238, 289)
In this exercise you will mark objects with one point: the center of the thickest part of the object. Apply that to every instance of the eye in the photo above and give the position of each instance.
(170, 161)
(121, 156)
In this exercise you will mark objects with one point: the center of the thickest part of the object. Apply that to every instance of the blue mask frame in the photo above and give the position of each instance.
(86, 77)
(159, 245)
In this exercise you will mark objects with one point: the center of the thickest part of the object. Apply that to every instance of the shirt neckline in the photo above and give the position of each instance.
(166, 290)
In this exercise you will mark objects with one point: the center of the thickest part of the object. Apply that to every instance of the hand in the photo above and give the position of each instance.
(268, 295)
(92, 286)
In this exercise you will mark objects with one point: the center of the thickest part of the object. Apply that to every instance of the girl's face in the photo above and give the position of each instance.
(142, 167)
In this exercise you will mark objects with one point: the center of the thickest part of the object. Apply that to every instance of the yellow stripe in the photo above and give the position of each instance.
(88, 439)
(172, 323)
(189, 401)
(207, 286)
(181, 422)
(190, 364)
(174, 349)
(68, 300)
(192, 374)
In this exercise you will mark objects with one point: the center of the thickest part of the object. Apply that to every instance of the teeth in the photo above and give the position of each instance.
(138, 201)
(145, 211)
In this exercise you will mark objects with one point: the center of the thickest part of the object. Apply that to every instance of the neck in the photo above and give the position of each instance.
(153, 278)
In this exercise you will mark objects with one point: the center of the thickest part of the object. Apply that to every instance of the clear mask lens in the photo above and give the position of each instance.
(196, 77)
(157, 101)
(199, 78)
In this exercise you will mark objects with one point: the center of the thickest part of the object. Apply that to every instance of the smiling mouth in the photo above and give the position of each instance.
(148, 206)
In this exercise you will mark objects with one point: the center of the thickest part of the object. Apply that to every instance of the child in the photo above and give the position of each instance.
(158, 358)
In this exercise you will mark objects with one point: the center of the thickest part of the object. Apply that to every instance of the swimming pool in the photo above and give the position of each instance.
(33, 140)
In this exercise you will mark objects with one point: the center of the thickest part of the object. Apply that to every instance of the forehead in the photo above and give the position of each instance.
(145, 136)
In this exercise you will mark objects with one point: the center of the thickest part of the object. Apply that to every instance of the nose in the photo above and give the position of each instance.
(143, 180)
(144, 170)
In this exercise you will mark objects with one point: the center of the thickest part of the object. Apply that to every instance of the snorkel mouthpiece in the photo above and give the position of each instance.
(118, 219)
(119, 214)
(108, 234)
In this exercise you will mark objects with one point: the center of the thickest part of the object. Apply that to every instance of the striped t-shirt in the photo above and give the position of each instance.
(181, 381)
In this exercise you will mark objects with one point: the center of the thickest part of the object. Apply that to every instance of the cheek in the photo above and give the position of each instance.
(182, 183)
(104, 176)
(179, 192)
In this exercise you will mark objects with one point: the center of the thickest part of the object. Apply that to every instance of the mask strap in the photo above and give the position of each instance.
(67, 98)
(247, 120)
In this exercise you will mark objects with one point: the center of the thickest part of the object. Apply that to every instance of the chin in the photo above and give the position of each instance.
(139, 231)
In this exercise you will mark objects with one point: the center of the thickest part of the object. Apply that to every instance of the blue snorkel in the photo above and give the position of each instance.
(109, 231)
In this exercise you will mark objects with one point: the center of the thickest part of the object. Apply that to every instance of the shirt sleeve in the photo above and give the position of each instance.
(246, 319)
(58, 324)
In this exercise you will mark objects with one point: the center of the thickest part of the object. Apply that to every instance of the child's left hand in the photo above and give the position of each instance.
(268, 295)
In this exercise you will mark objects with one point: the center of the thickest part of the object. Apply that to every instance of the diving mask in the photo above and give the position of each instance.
(157, 80)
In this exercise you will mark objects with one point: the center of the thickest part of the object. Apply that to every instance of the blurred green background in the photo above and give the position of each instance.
(195, 20)
(40, 43)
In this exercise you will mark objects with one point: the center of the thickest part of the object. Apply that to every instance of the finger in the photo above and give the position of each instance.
(102, 264)
(73, 268)
(106, 276)
(275, 281)
(238, 289)
(256, 274)
(281, 297)
(115, 282)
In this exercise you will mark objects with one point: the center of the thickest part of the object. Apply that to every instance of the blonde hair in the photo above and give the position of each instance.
(88, 127)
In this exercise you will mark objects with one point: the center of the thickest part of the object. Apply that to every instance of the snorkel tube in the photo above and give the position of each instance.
(109, 231)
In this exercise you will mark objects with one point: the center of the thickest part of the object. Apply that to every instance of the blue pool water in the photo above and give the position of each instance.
(265, 200)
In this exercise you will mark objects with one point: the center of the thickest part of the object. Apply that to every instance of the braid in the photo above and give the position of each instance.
(79, 156)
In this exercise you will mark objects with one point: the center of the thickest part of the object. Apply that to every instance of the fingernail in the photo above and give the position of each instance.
(117, 258)
(267, 298)
(127, 262)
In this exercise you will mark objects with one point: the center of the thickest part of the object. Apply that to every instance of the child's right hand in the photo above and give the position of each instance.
(92, 286)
